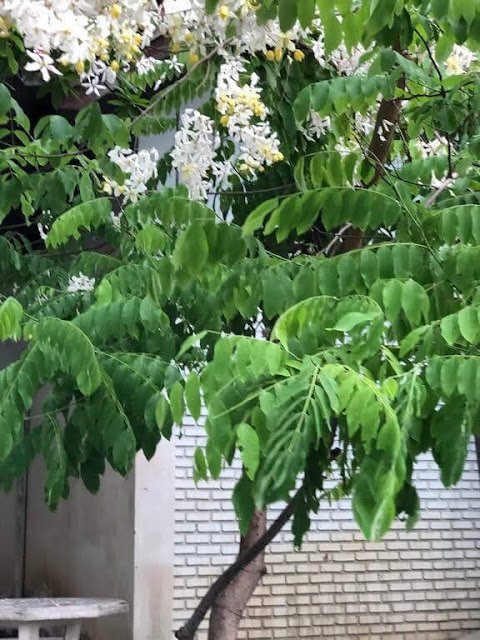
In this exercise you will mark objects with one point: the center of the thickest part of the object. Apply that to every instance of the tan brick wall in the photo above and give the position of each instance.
(424, 584)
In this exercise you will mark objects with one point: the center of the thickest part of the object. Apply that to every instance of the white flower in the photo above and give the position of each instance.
(139, 169)
(173, 64)
(80, 283)
(432, 147)
(194, 152)
(43, 63)
(91, 84)
(460, 61)
(42, 230)
(145, 65)
(75, 32)
(317, 126)
(318, 50)
(349, 63)
(116, 220)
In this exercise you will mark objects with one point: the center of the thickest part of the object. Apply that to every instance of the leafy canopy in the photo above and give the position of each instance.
(328, 322)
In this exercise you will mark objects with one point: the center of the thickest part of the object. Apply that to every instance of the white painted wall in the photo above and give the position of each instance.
(154, 544)
(8, 353)
(423, 585)
(85, 548)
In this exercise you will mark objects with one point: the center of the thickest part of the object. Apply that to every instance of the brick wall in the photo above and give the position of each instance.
(424, 584)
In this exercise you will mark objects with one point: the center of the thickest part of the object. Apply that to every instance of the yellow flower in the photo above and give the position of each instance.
(223, 12)
(4, 28)
(175, 47)
(186, 171)
(115, 66)
(278, 157)
(453, 65)
(299, 55)
(189, 37)
(138, 38)
(105, 57)
(193, 57)
(270, 55)
(115, 10)
(224, 121)
(278, 54)
(259, 110)
(261, 169)
(80, 66)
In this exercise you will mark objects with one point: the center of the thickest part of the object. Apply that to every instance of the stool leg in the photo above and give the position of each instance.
(73, 631)
(28, 631)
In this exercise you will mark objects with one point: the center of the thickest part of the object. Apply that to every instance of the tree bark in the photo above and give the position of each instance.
(228, 608)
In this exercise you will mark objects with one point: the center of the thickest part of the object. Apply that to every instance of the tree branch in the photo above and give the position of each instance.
(188, 631)
(178, 82)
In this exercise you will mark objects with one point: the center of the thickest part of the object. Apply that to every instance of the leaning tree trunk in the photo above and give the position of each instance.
(228, 608)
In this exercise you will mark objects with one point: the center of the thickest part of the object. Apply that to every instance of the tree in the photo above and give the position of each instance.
(329, 320)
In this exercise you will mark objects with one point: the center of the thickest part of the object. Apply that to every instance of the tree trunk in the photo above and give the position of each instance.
(228, 608)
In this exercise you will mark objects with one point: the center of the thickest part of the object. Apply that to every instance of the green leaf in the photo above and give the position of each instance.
(124, 450)
(214, 460)
(192, 395)
(287, 13)
(70, 351)
(411, 340)
(353, 319)
(177, 402)
(415, 302)
(88, 215)
(5, 100)
(11, 313)
(249, 448)
(191, 250)
(302, 105)
(469, 324)
(450, 329)
(162, 409)
(200, 470)
(333, 31)
(243, 503)
(306, 12)
(56, 127)
(255, 220)
(440, 8)
(189, 343)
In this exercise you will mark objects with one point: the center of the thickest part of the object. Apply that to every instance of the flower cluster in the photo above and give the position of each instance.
(79, 35)
(196, 29)
(140, 168)
(243, 116)
(460, 60)
(80, 283)
(194, 154)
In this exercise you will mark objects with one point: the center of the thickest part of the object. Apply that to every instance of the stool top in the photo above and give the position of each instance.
(43, 609)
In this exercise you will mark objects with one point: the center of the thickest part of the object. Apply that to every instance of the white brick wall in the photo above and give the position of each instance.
(424, 584)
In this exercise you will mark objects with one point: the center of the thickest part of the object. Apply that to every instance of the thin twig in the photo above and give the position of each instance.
(433, 198)
(335, 239)
(433, 61)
